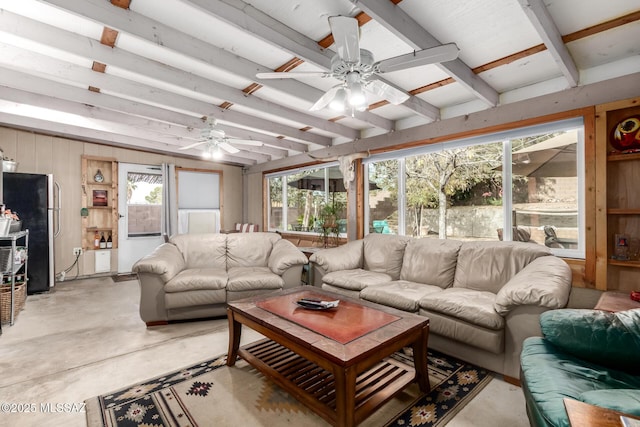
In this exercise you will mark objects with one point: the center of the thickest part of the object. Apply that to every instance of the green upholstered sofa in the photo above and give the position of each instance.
(588, 355)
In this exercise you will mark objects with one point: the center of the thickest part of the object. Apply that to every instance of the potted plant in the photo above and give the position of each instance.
(329, 214)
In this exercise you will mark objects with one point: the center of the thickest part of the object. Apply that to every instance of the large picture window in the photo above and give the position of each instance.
(311, 200)
(523, 185)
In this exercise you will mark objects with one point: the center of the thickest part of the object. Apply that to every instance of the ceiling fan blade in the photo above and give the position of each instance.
(345, 32)
(251, 142)
(186, 147)
(433, 55)
(325, 99)
(228, 147)
(292, 75)
(386, 91)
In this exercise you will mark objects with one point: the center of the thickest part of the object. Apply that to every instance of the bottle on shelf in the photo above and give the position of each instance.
(103, 242)
(96, 240)
(109, 242)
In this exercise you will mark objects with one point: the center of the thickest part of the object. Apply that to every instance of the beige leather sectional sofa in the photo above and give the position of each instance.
(194, 275)
(483, 298)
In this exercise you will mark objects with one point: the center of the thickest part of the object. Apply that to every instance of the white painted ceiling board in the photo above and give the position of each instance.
(175, 62)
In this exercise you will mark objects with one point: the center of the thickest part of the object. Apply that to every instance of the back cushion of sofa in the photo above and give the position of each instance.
(383, 253)
(202, 250)
(430, 261)
(250, 249)
(487, 266)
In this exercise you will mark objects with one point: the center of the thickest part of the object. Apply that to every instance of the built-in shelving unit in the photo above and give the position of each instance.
(100, 199)
(618, 199)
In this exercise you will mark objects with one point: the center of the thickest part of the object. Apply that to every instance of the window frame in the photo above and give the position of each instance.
(284, 174)
(576, 123)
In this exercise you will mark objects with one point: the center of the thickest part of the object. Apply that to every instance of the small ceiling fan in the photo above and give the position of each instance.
(216, 141)
(354, 67)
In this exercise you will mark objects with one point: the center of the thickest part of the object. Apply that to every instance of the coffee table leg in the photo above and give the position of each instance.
(235, 329)
(420, 361)
(345, 383)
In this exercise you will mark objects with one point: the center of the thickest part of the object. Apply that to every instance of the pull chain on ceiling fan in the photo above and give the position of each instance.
(355, 68)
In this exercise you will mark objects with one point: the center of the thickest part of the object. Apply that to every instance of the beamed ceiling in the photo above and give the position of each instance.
(147, 74)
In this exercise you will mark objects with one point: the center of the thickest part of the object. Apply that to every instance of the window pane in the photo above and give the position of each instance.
(275, 203)
(144, 204)
(455, 193)
(305, 195)
(383, 197)
(545, 188)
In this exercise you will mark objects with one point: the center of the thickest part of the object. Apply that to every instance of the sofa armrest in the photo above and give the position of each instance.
(346, 257)
(285, 255)
(545, 282)
(165, 261)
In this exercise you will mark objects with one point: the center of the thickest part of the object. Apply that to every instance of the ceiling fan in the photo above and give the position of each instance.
(216, 141)
(354, 67)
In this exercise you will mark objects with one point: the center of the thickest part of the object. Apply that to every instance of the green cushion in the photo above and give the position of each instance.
(608, 339)
(623, 400)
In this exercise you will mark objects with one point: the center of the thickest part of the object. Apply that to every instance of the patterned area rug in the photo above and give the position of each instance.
(212, 394)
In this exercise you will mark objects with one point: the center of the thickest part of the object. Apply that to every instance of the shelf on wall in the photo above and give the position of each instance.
(622, 157)
(621, 263)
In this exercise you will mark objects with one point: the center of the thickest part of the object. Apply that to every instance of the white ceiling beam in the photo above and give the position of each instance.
(542, 21)
(92, 135)
(26, 82)
(37, 63)
(567, 100)
(396, 20)
(85, 47)
(15, 100)
(159, 34)
(252, 20)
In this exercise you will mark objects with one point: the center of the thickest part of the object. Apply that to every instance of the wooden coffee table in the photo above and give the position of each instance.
(335, 361)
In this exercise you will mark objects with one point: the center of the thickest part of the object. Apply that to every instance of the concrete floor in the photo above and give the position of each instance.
(85, 338)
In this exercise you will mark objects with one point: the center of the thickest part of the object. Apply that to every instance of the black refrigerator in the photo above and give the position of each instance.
(31, 197)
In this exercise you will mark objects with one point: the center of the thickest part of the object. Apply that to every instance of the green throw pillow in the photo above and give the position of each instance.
(608, 339)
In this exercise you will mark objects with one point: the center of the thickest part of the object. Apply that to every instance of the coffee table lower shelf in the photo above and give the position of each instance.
(315, 387)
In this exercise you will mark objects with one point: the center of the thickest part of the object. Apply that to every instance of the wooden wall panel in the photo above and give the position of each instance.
(37, 153)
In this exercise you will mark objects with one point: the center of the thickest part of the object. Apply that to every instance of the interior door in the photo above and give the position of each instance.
(140, 205)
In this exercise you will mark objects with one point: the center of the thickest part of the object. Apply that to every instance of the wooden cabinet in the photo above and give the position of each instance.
(99, 200)
(617, 201)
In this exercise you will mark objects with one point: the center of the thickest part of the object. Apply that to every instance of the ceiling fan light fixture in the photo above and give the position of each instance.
(356, 95)
(216, 152)
(338, 102)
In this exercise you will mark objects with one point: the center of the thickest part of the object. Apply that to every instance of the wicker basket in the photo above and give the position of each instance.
(20, 295)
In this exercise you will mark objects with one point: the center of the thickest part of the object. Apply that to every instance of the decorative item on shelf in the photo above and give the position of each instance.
(621, 247)
(98, 177)
(100, 198)
(625, 137)
(84, 212)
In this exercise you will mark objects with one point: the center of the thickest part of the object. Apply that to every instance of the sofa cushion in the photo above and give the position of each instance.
(250, 278)
(430, 261)
(487, 266)
(197, 278)
(623, 400)
(202, 250)
(550, 374)
(400, 294)
(355, 280)
(383, 253)
(195, 298)
(475, 307)
(467, 333)
(609, 339)
(249, 249)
